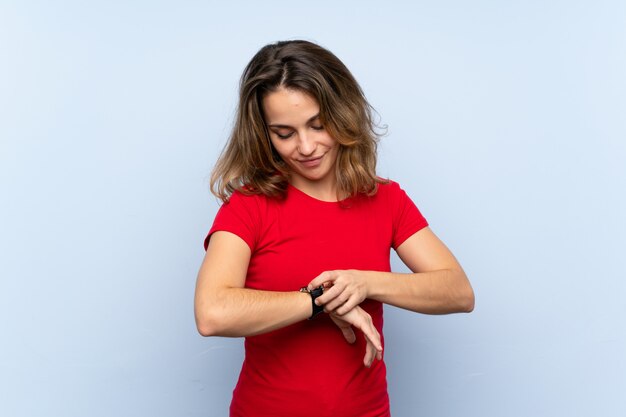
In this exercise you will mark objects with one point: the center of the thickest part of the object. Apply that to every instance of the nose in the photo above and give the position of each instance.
(306, 144)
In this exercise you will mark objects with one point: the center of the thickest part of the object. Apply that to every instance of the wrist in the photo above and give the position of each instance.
(368, 281)
(372, 280)
(313, 294)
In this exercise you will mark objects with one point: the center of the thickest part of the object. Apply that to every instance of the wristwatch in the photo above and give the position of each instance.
(315, 292)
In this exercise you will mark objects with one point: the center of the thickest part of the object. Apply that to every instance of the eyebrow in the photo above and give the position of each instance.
(289, 127)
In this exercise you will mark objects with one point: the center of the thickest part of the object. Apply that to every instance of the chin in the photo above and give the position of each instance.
(318, 177)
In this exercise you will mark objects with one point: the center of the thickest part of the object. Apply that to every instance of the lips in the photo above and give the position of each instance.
(312, 162)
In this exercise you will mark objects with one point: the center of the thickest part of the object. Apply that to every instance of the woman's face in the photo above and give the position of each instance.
(292, 118)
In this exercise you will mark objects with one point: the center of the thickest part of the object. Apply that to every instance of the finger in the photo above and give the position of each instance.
(347, 306)
(348, 334)
(346, 329)
(322, 278)
(336, 302)
(373, 336)
(329, 295)
(369, 355)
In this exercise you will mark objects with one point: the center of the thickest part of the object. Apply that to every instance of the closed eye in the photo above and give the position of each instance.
(286, 136)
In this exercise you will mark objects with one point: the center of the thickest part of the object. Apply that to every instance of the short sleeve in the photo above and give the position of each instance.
(407, 218)
(240, 216)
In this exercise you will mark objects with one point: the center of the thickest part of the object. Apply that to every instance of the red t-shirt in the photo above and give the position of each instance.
(308, 369)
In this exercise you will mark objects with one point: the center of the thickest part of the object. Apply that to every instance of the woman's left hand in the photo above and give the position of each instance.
(343, 290)
(360, 319)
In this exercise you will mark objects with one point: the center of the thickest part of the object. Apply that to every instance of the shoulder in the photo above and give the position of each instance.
(242, 214)
(241, 207)
(387, 196)
(407, 219)
(253, 207)
(389, 189)
(396, 197)
(245, 198)
(387, 184)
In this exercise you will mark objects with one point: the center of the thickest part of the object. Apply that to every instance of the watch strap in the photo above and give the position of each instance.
(314, 293)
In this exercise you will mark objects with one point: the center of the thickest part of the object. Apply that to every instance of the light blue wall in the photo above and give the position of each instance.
(507, 125)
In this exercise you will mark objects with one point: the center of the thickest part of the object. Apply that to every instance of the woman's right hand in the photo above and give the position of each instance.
(360, 319)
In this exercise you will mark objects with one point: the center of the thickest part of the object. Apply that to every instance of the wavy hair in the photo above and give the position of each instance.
(249, 162)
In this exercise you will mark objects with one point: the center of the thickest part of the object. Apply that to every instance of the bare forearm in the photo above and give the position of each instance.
(436, 292)
(224, 307)
(441, 286)
(235, 312)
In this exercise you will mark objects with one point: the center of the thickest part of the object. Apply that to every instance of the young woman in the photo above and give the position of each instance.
(305, 232)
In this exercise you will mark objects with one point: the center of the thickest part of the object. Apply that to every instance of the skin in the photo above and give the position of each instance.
(438, 284)
(301, 141)
(224, 307)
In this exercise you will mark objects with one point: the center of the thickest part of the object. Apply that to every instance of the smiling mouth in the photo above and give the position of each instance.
(312, 162)
(311, 159)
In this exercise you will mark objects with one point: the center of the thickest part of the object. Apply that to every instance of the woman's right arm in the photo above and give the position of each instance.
(223, 307)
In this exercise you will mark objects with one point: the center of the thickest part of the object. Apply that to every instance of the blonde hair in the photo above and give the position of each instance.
(249, 162)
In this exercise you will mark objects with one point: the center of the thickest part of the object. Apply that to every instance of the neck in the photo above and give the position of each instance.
(320, 190)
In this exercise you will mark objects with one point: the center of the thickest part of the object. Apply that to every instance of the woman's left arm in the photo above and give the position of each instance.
(438, 284)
